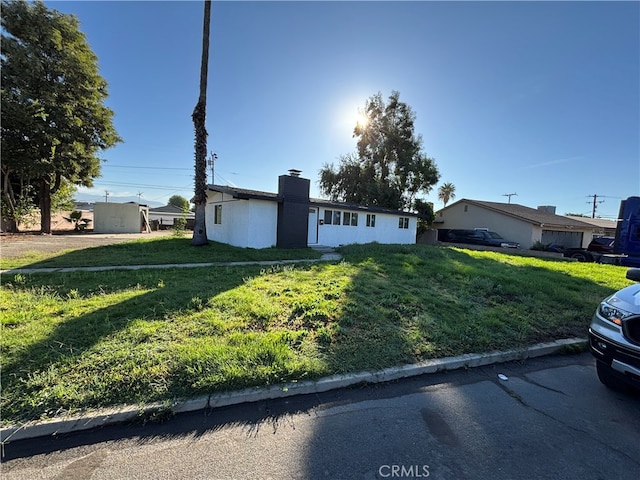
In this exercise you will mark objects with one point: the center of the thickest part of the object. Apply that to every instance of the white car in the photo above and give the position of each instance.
(614, 336)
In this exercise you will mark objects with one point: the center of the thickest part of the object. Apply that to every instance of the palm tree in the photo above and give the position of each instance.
(199, 117)
(447, 192)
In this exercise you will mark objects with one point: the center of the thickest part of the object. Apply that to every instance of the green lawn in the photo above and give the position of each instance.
(84, 340)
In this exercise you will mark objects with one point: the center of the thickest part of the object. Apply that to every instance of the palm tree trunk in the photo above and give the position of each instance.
(199, 117)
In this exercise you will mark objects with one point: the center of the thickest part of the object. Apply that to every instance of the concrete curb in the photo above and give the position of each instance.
(334, 382)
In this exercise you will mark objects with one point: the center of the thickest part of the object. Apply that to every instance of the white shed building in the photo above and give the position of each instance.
(120, 218)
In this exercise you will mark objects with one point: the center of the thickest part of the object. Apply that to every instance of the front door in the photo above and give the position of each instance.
(312, 234)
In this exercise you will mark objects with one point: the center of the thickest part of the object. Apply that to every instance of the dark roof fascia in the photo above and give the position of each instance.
(551, 220)
(244, 194)
(360, 208)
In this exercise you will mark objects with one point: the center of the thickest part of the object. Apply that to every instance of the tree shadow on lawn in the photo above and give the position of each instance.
(151, 302)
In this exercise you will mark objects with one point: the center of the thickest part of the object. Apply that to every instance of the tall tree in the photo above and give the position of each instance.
(199, 117)
(180, 202)
(54, 121)
(446, 192)
(389, 168)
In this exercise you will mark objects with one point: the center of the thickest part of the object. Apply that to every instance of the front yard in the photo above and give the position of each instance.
(86, 340)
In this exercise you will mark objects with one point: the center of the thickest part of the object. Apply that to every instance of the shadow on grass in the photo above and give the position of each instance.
(152, 301)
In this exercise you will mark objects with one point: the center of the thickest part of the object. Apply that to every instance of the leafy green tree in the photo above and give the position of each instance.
(63, 198)
(389, 168)
(426, 216)
(180, 202)
(199, 116)
(446, 192)
(54, 121)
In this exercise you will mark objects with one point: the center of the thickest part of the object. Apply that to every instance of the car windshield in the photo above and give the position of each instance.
(494, 235)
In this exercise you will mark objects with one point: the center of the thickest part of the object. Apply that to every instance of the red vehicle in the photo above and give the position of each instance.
(624, 248)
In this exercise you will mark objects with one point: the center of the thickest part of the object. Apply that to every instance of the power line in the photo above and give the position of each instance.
(146, 168)
(595, 204)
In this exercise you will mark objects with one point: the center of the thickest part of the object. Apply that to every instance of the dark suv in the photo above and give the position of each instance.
(614, 336)
(479, 237)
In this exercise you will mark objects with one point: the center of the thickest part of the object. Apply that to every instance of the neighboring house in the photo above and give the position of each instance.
(290, 219)
(120, 218)
(83, 206)
(601, 226)
(516, 223)
(167, 214)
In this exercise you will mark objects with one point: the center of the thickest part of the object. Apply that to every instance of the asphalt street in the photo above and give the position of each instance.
(545, 418)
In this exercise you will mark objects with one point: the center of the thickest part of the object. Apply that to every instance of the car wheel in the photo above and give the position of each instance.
(608, 378)
(582, 257)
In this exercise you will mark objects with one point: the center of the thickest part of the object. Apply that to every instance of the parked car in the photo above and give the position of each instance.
(594, 251)
(479, 237)
(614, 336)
(601, 244)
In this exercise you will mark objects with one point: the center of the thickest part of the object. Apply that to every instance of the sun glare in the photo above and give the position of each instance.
(360, 120)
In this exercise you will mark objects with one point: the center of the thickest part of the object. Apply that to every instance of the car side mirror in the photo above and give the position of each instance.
(634, 274)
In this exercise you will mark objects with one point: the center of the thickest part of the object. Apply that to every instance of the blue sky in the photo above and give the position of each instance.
(541, 99)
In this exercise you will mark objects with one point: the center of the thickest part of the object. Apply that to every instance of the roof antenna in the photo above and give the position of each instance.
(509, 195)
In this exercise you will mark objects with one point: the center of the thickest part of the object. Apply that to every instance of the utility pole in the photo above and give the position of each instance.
(595, 204)
(139, 196)
(210, 162)
(509, 195)
(106, 196)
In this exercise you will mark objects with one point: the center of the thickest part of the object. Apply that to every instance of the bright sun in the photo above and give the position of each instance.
(360, 119)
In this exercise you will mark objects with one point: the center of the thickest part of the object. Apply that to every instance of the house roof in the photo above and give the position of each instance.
(167, 209)
(528, 214)
(242, 193)
(597, 222)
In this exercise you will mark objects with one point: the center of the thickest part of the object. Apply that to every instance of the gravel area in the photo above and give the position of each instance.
(14, 245)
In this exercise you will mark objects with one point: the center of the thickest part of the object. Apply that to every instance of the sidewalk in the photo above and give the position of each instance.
(129, 413)
(326, 257)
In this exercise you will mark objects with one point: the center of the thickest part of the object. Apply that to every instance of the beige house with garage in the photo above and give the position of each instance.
(516, 223)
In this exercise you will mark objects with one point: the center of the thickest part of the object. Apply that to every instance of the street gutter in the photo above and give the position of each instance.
(110, 416)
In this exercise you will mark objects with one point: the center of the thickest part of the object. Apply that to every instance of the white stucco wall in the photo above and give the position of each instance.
(245, 223)
(385, 231)
(117, 217)
(168, 218)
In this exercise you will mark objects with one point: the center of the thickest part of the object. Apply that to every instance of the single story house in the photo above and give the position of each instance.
(516, 223)
(168, 213)
(120, 218)
(601, 226)
(290, 219)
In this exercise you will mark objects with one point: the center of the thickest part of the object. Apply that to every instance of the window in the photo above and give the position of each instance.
(371, 220)
(328, 214)
(354, 219)
(336, 217)
(217, 214)
(403, 222)
(346, 218)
